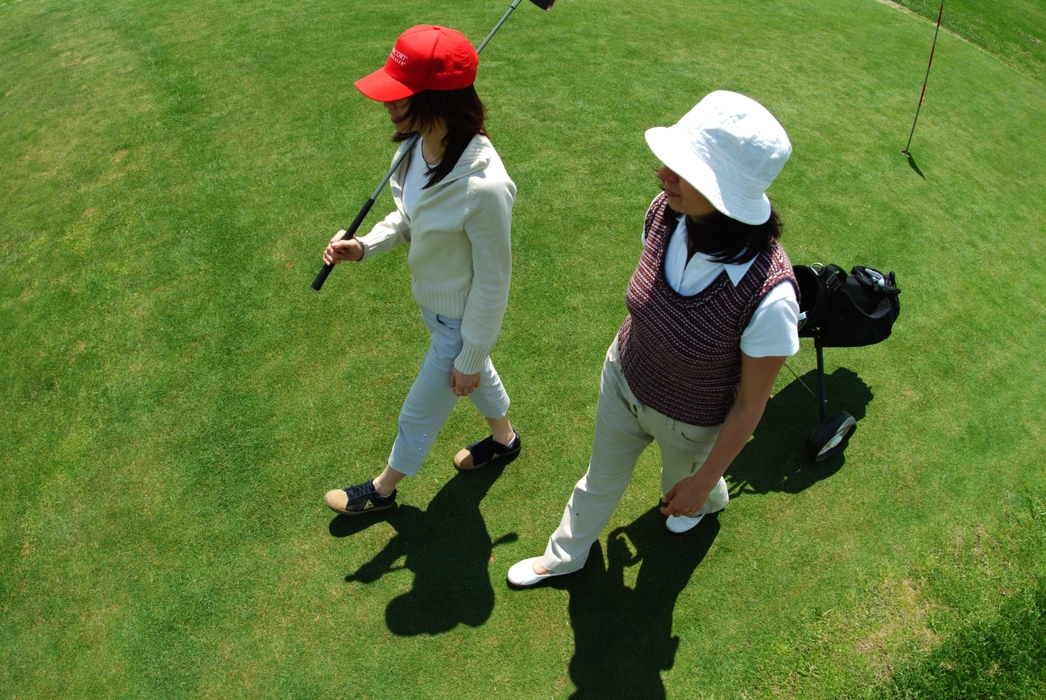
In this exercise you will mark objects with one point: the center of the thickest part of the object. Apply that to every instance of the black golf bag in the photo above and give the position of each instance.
(842, 311)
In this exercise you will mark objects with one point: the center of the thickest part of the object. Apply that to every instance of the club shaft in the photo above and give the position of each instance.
(321, 277)
(498, 25)
(396, 164)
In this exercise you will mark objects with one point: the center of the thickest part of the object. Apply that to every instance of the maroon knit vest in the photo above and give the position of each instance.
(682, 355)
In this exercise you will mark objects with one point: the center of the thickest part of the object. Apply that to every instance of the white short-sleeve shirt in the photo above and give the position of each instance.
(773, 330)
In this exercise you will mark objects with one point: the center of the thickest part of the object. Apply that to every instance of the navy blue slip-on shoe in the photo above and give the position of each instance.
(361, 498)
(480, 454)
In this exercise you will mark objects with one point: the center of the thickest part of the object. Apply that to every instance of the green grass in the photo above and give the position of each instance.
(175, 399)
(1013, 31)
(997, 655)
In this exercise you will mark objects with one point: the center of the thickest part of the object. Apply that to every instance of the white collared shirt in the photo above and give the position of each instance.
(773, 330)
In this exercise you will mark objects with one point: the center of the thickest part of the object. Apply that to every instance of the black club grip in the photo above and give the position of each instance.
(321, 277)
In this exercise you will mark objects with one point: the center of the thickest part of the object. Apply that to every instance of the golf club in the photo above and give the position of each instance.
(317, 283)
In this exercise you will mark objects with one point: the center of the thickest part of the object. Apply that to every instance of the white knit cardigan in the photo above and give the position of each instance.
(460, 246)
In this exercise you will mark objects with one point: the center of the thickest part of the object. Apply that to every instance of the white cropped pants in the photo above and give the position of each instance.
(431, 398)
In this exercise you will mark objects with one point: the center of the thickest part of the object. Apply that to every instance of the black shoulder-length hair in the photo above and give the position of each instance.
(730, 241)
(460, 110)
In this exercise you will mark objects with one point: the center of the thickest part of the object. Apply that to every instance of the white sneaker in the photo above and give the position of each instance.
(521, 574)
(682, 523)
(720, 497)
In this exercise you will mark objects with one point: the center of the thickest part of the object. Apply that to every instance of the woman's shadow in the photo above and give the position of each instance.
(623, 635)
(774, 461)
(448, 549)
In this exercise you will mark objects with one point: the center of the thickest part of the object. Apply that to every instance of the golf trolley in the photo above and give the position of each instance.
(842, 311)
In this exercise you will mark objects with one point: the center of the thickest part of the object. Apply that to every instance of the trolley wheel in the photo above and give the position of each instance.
(831, 436)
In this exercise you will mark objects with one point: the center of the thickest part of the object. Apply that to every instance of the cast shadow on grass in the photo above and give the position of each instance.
(448, 549)
(1000, 658)
(775, 459)
(623, 635)
(911, 163)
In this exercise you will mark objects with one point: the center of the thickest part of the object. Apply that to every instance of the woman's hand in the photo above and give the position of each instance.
(340, 250)
(688, 496)
(757, 381)
(463, 384)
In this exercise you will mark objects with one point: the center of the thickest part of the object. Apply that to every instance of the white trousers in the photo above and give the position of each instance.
(431, 398)
(624, 428)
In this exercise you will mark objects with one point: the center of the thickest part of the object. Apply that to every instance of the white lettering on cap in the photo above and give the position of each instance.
(399, 57)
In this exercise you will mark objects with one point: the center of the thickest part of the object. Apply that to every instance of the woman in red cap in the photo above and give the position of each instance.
(454, 207)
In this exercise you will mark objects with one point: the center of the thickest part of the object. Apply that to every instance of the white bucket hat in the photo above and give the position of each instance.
(730, 148)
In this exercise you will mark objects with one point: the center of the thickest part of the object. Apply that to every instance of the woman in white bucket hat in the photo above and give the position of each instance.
(713, 315)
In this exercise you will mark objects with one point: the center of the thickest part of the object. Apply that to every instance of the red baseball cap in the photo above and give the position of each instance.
(424, 58)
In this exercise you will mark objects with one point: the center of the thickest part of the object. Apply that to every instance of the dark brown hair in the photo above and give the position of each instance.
(460, 110)
(730, 241)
